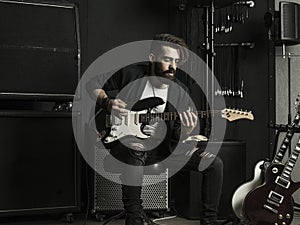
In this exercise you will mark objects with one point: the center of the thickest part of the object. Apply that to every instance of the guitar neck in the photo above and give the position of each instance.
(289, 166)
(286, 141)
(209, 113)
(169, 116)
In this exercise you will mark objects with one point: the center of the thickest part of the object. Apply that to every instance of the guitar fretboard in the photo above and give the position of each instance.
(286, 141)
(169, 116)
(289, 166)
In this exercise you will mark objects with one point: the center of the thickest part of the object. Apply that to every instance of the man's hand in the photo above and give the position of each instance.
(150, 129)
(189, 121)
(114, 106)
(117, 107)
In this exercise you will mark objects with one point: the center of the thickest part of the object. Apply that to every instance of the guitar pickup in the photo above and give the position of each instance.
(275, 197)
(112, 120)
(282, 182)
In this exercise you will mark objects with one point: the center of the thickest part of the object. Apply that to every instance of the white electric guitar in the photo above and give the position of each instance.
(240, 194)
(111, 128)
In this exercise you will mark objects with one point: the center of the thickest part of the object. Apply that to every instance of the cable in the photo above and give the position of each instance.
(164, 218)
(88, 195)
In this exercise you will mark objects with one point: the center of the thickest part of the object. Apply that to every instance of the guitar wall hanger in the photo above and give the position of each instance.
(285, 127)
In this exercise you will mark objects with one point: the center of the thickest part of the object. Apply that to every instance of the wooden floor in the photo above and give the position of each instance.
(80, 220)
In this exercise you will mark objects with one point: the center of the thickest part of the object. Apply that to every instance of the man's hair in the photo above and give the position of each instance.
(170, 40)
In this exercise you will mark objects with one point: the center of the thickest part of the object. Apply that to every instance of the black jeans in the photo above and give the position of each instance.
(211, 182)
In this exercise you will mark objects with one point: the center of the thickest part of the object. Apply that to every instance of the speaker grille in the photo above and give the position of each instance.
(108, 194)
(289, 22)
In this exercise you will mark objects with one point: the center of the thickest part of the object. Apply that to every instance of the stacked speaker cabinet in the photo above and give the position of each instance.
(40, 70)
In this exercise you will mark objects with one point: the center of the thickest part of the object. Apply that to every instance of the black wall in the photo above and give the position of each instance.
(113, 23)
(254, 67)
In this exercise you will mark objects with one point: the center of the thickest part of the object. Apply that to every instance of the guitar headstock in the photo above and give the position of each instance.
(234, 114)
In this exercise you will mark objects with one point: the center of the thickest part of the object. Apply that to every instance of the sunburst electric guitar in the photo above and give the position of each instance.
(111, 128)
(260, 168)
(272, 202)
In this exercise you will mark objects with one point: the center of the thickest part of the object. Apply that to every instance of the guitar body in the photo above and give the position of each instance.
(270, 203)
(112, 129)
(240, 193)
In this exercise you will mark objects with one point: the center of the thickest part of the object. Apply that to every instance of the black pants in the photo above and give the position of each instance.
(211, 182)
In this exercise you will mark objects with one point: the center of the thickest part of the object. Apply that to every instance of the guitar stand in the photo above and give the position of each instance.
(279, 129)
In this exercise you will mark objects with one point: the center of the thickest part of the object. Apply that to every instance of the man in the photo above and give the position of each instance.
(143, 81)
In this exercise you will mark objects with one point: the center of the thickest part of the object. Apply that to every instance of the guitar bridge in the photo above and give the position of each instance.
(271, 209)
(273, 203)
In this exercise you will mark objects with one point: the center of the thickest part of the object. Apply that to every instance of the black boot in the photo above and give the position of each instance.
(133, 219)
(132, 205)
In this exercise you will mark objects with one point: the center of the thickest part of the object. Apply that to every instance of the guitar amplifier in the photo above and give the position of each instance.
(40, 163)
(108, 194)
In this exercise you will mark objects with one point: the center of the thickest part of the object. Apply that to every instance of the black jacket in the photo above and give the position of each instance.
(129, 83)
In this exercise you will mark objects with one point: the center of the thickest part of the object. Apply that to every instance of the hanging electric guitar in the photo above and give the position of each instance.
(260, 168)
(112, 128)
(272, 202)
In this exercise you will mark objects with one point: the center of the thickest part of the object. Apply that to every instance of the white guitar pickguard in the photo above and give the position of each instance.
(125, 126)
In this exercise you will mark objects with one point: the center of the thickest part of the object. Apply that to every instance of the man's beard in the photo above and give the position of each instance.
(164, 74)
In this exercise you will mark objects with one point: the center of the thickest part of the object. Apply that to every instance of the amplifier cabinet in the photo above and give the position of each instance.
(108, 194)
(40, 164)
(40, 50)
